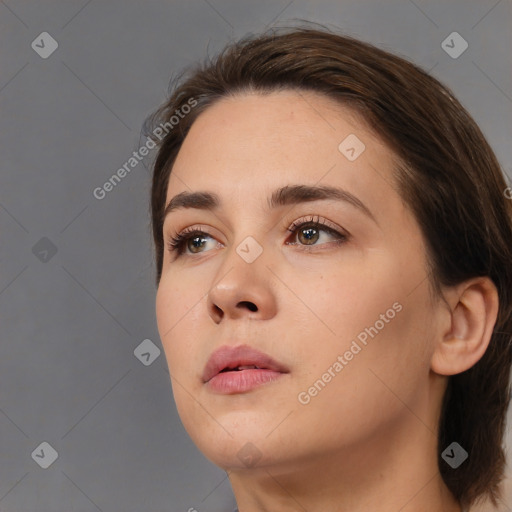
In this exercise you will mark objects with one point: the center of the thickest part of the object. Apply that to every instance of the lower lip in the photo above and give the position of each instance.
(242, 380)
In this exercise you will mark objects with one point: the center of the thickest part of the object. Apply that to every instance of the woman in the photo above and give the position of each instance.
(333, 251)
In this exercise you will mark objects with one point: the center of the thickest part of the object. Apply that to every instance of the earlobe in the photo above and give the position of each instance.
(468, 322)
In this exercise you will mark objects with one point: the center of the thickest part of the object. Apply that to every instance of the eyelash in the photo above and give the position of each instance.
(177, 242)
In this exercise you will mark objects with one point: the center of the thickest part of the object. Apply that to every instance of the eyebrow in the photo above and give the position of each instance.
(290, 194)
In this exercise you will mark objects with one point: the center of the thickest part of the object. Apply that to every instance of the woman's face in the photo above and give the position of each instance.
(343, 308)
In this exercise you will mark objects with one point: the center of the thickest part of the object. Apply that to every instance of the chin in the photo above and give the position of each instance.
(240, 444)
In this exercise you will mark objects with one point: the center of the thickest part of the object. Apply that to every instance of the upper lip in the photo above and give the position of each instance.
(242, 355)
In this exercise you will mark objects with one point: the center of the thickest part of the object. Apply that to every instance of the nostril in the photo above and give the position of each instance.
(250, 305)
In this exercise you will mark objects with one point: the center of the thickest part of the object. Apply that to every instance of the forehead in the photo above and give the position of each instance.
(283, 118)
(250, 144)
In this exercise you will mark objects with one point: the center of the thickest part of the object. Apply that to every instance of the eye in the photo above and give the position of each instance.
(177, 243)
(308, 229)
(308, 232)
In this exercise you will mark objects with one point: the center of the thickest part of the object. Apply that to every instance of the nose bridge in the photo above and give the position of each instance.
(248, 228)
(247, 254)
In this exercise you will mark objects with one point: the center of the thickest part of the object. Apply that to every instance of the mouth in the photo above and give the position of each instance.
(238, 369)
(241, 368)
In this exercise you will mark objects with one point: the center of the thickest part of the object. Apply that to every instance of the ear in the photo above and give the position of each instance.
(466, 325)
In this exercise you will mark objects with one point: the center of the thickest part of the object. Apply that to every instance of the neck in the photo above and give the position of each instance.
(397, 470)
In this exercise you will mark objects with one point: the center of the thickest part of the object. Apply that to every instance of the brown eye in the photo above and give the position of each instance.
(192, 240)
(309, 232)
(197, 242)
(310, 235)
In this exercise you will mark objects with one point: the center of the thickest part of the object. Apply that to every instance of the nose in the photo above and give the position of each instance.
(243, 290)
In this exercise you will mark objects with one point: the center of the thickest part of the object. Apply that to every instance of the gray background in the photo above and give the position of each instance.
(71, 321)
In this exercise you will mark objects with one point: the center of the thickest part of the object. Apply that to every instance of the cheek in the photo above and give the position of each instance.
(177, 311)
(177, 316)
(364, 310)
(340, 299)
(380, 380)
(176, 299)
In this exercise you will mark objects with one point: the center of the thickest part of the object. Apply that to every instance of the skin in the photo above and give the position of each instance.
(367, 440)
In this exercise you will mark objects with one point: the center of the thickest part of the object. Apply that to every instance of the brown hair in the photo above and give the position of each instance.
(447, 174)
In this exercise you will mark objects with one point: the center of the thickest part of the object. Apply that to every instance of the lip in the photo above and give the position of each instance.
(238, 381)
